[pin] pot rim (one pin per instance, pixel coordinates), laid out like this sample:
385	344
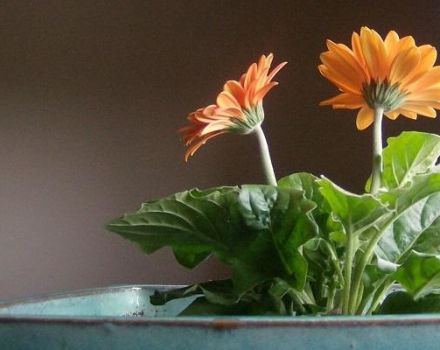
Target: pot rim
214	322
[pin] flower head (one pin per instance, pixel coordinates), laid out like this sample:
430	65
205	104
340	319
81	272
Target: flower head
238	109
392	74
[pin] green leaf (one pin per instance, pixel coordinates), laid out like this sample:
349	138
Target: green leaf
415	213
257	230
356	213
282	216
319	252
303	182
218	292
407	155
191	256
272	297
420	274
416	219
403	303
429	240
192	220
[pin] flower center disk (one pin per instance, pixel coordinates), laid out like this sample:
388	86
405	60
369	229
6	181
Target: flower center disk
383	95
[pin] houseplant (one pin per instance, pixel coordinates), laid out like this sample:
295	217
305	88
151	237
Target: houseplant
297	246
302	245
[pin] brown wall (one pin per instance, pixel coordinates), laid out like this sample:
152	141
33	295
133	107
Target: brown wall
91	96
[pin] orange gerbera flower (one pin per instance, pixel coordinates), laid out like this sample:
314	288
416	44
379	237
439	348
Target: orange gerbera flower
239	107
392	74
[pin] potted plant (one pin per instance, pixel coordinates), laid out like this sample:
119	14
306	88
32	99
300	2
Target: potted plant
302	246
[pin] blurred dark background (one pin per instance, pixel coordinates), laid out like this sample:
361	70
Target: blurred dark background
91	96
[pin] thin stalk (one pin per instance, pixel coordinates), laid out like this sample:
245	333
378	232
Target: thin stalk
360	294
360	268
331	298
347	274
364	261
334	260
309	293
377	151
265	157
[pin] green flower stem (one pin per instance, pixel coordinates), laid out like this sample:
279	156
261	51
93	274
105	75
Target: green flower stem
334	260
331	298
377	150
360	294
359	271
265	157
349	256
364	260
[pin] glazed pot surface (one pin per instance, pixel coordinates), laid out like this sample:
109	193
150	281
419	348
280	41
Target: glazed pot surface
123	318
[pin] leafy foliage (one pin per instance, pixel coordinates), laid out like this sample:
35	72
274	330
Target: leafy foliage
257	230
410	154
307	246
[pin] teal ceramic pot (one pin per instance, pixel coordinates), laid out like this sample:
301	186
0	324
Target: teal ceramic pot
123	318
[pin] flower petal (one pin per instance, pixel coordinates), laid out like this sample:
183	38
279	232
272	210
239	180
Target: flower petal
391	115
357	49
339	80
373	50
391	41
216	126
346	56
259	95
226	100
407	113
275	71
428	55
250	75
228	113
404	65
364	118
199	143
235	89
431	94
426	111
345	100
429	79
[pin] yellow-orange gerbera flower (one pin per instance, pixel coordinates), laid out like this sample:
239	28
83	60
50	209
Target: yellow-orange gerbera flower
238	108
392	74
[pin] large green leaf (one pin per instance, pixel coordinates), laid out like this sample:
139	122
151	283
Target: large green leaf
281	218
420	274
429	240
360	217
407	155
191	221
357	213
310	186
257	230
303	182
324	271
417	215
